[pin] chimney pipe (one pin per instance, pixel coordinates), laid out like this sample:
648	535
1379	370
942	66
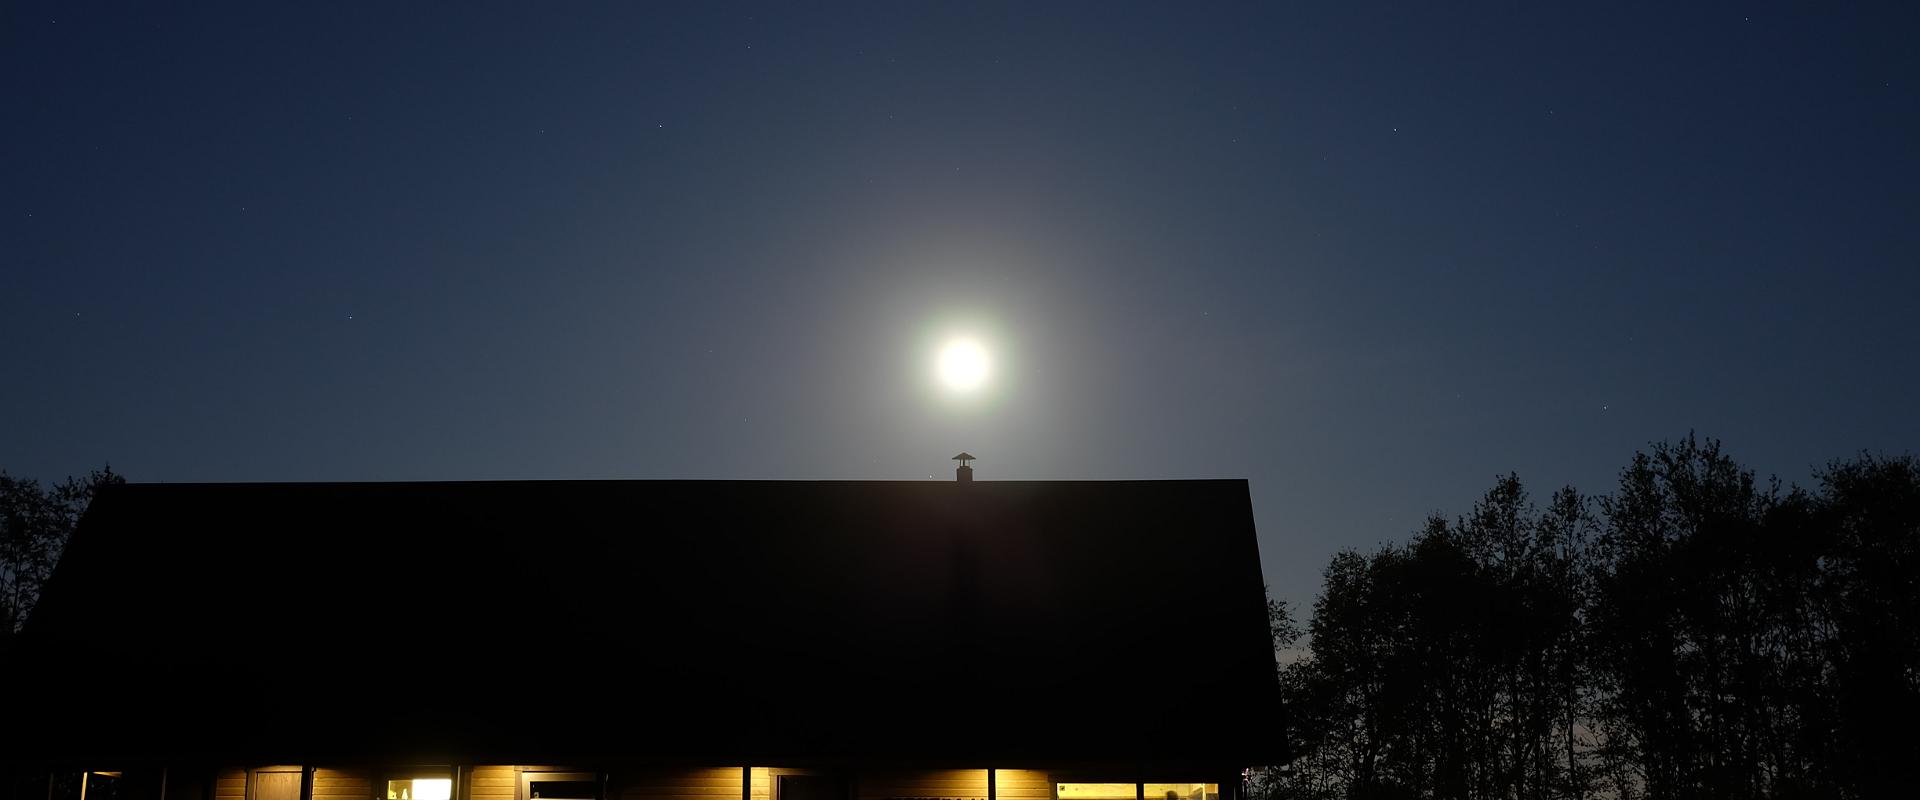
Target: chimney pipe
964	473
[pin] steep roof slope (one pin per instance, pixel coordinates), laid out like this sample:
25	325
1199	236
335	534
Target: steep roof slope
1001	623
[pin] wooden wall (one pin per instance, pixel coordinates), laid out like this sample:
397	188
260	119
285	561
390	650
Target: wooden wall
942	783
341	784
230	784
721	783
762	784
493	782
1022	784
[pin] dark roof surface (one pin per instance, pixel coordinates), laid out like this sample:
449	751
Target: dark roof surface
728	622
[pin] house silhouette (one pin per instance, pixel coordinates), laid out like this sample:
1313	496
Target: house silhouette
650	640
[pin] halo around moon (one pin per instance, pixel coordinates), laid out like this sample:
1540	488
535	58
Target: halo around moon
962	365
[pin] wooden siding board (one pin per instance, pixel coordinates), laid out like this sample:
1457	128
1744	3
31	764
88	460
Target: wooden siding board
957	783
1023	784
230	784
492	782
341	784
692	784
276	786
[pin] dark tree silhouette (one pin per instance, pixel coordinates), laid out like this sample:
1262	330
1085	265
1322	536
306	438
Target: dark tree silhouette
1702	626
1869	642
1695	634
1443	668
35	523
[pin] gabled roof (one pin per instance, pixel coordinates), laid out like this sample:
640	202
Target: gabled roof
725	622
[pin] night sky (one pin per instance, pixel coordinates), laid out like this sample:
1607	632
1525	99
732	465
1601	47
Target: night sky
1365	257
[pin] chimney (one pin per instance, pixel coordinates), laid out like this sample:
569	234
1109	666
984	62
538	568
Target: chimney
965	473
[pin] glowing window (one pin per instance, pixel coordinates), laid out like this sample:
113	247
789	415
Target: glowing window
1130	791
422	788
1096	791
1181	791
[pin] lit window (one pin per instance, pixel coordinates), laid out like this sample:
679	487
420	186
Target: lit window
1130	791
1181	791
1096	791
422	788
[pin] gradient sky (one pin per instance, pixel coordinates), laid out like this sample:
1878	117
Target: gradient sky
1365	257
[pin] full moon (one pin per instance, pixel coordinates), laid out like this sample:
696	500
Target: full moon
962	365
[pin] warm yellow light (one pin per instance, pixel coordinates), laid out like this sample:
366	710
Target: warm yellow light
1096	791
963	365
432	788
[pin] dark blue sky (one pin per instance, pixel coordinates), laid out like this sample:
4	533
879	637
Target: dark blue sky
1366	257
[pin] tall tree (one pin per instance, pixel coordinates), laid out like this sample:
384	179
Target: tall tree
1446	667
1704	635
1871	508
1697	633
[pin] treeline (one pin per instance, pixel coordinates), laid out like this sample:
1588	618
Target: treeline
1694	634
35	523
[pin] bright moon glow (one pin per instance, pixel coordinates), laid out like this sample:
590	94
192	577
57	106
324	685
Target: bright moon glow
963	365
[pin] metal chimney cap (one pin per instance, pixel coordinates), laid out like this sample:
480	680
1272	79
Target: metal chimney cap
964	457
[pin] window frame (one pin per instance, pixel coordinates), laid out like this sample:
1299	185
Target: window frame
1139	786
774	774
386	775
524	791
